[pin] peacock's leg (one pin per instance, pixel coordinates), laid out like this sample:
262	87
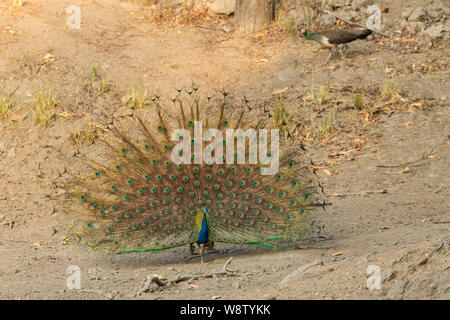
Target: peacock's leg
209	245
201	248
341	53
329	57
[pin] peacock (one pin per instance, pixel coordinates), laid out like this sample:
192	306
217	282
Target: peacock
132	192
331	38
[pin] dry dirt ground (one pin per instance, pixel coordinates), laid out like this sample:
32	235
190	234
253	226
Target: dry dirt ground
402	231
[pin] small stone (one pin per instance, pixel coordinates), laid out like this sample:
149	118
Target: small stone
123	112
390	276
300	13
406	13
12	152
224	7
434	12
358	4
335	4
394	262
397	290
327	20
436	31
423	261
418	14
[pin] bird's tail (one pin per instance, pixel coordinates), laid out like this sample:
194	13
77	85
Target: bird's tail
365	33
131	195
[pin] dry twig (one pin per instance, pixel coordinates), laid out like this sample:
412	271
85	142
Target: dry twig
406	163
162	282
360	193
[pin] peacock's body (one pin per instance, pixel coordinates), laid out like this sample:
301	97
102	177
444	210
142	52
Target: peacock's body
136	198
332	38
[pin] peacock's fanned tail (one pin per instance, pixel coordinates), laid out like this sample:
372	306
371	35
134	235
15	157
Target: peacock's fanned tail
133	197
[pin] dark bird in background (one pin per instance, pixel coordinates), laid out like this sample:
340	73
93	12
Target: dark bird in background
332	38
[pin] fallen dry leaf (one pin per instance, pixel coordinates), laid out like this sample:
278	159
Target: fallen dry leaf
406	170
335	154
337	253
48	58
317	112
367	116
192	286
433	157
407	124
260	36
18	117
327	172
280	91
37	245
418	104
64	114
108	296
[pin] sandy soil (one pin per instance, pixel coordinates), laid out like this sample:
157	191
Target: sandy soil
404	230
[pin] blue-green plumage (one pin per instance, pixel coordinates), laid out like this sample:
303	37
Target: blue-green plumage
203	233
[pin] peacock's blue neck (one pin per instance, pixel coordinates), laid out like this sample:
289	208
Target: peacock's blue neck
203	233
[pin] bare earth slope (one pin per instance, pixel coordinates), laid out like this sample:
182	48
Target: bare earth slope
403	230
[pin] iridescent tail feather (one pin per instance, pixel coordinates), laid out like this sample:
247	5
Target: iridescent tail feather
131	196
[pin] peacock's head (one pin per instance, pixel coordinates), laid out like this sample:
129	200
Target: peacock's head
302	31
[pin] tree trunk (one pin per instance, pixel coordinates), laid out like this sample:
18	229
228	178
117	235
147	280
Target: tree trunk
252	15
